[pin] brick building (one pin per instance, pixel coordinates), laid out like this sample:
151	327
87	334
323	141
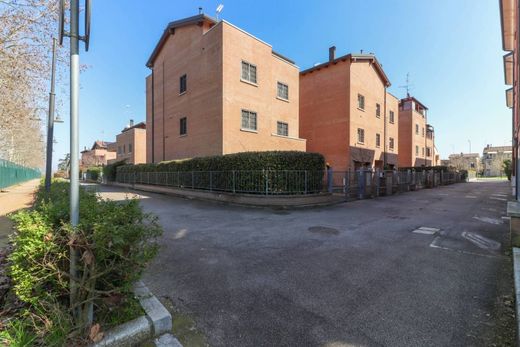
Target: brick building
416	136
216	89
99	154
493	159
131	144
347	114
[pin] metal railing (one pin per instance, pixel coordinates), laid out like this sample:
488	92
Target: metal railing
266	182
359	184
11	173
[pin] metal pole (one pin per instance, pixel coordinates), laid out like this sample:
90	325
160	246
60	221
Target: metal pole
50	120
74	112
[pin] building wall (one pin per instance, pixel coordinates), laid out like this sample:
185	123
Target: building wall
392	130
261	98
197	52
409	139
137	139
493	161
324	108
364	80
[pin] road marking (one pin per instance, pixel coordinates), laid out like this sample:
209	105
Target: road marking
426	230
481	241
506	218
499	194
470	197
436	240
488	220
499	199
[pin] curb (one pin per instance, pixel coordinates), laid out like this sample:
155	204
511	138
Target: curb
516	271
156	322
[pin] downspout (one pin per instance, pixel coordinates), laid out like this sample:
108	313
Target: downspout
153	116
163	124
384	131
515	108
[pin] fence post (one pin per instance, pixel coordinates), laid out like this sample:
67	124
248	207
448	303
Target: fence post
210	181
266	182
234	179
193	180
305	181
330	174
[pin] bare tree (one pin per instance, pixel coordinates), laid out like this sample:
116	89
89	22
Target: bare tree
26	31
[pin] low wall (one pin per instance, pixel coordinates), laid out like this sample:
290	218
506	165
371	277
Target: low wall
240	199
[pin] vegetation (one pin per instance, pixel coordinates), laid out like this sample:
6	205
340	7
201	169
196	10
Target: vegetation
507	168
114	241
93	173
273	160
110	170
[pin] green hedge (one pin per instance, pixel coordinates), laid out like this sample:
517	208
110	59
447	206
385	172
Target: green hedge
275	172
274	160
426	168
93	173
110	170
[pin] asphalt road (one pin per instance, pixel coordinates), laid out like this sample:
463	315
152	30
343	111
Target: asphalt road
351	274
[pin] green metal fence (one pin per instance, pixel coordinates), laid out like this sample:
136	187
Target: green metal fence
11	173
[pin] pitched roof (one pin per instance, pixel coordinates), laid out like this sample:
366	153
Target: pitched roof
498	149
354	58
140	125
411	98
170	28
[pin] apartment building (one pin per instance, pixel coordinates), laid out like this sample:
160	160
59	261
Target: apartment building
493	159
131	144
216	89
99	154
347	114
509	17
416	136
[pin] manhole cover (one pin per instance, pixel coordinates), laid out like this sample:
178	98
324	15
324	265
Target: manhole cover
323	230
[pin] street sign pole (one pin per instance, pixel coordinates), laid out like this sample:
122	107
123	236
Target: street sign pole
74	112
50	120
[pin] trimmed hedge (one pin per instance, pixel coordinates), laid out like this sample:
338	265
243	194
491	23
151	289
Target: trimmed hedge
246	161
427	168
110	170
273	172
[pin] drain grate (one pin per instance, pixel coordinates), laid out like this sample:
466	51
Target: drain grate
323	230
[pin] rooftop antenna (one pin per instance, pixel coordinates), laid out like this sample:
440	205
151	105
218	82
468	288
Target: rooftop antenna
220	7
200	10
408	86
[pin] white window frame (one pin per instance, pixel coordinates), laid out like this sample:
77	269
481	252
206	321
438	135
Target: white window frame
247	125
279	87
361	135
391	143
361	101
392	117
378	140
247	76
280	125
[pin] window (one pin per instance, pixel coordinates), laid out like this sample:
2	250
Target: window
423	132
283	91
391	144
423	151
248	120
378	110
183	84
183	126
282	129
129	148
428	151
417	129
248	72
361	101
124	149
119	151
392	119
361	135
378	140
416	150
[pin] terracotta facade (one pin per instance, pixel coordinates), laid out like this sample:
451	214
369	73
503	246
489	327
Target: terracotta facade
131	144
416	136
347	114
196	94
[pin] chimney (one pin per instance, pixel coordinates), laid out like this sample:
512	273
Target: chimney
332	53
131	122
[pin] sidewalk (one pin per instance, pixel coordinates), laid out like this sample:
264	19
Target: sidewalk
11	199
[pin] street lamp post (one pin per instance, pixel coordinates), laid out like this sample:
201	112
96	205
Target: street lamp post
50	120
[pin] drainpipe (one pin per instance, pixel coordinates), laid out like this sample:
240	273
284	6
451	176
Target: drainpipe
384	131
153	116
163	125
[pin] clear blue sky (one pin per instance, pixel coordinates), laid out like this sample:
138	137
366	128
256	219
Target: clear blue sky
451	48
